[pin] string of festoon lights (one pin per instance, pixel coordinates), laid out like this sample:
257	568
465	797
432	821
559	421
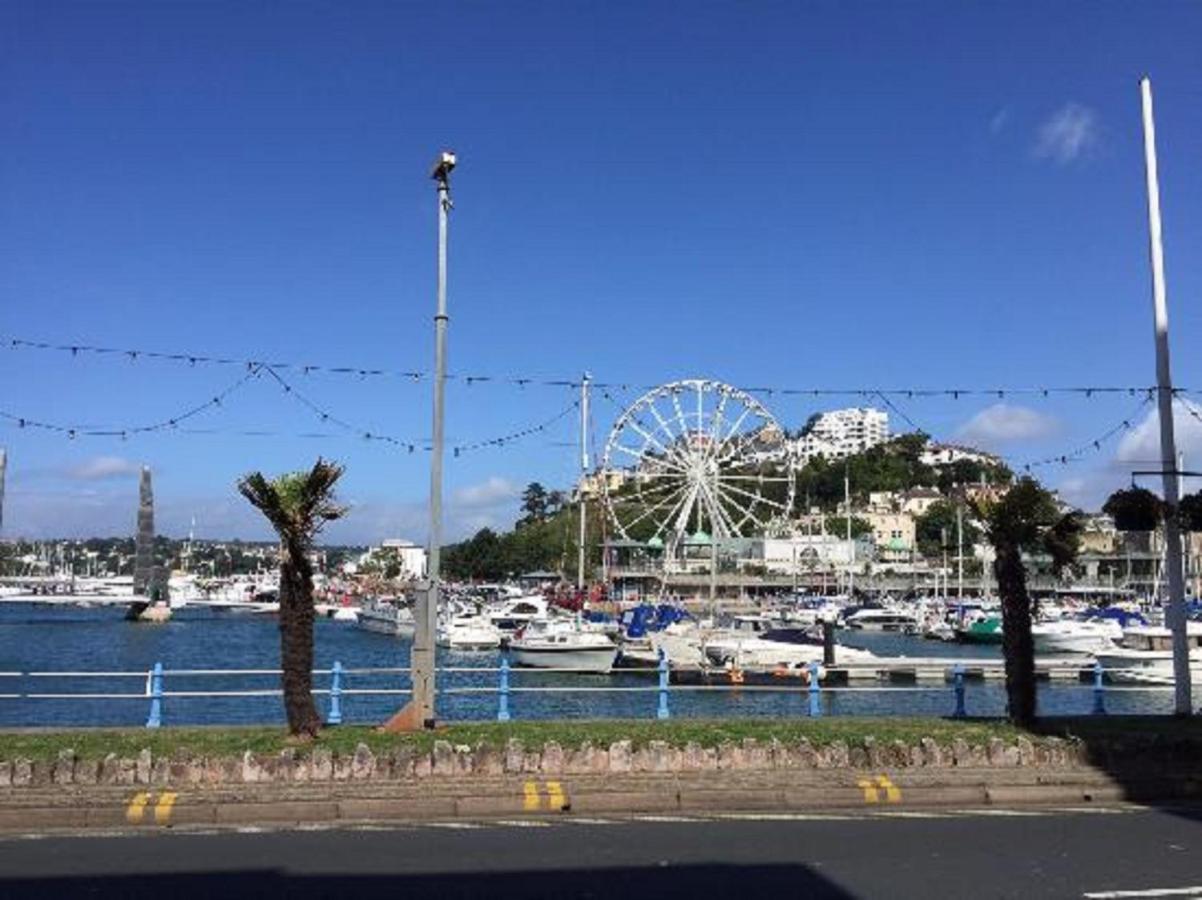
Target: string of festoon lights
275	369
192	359
255	371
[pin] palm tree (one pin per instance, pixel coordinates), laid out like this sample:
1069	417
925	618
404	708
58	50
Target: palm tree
297	505
1026	520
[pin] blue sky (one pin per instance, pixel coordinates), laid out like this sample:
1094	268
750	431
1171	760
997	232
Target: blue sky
773	194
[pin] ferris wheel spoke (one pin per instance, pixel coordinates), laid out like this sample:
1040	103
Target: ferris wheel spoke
673	437
718	516
666	501
684	509
642	454
758	498
648	437
684	427
660	488
716	420
747	410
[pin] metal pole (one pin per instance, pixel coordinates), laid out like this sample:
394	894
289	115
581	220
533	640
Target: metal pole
580	552
419	712
960	549
851	548
1168	444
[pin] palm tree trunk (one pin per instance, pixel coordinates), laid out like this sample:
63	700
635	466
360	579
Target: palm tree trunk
296	640
1018	647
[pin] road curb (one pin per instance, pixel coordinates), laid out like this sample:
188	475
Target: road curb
495	798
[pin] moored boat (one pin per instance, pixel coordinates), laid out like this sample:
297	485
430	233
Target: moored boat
386	615
563	644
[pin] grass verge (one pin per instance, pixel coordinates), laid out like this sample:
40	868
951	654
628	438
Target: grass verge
1135	732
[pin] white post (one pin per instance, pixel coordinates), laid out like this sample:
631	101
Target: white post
580	551
1168	444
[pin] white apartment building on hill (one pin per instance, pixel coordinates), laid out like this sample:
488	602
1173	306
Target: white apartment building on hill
843	432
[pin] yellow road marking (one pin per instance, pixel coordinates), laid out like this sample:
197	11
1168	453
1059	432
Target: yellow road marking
136	808
892	791
530	798
162	809
555	797
869	789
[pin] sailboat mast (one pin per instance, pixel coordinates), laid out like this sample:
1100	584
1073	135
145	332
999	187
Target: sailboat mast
580	549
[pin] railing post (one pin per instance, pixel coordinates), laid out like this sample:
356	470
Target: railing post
815	691
503	692
1099	690
155	719
335	715
958	680
662	711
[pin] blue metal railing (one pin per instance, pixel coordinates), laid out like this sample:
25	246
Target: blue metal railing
498	681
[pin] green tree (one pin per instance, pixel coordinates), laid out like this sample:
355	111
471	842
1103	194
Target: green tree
297	505
1026	520
534	503
1134	509
935	530
1190	512
837	526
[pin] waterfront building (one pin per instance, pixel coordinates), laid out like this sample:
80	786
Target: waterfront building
840	433
893	533
937	454
916	501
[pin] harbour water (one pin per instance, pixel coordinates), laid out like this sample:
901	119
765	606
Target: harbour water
67	639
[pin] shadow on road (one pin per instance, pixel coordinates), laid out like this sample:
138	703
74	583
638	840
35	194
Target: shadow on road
1156	760
690	881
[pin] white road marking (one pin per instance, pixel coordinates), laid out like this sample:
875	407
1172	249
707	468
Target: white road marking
1195	891
584	820
522	823
783	817
667	819
456	826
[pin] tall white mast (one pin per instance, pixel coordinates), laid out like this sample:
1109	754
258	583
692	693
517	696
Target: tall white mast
1164	391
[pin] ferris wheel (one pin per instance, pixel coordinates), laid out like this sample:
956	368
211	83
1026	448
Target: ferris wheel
697	456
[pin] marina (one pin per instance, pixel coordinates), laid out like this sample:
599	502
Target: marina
62	653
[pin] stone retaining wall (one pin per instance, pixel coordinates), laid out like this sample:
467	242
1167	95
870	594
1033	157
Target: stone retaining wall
458	761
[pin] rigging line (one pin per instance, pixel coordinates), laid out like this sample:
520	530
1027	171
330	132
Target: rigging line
74	431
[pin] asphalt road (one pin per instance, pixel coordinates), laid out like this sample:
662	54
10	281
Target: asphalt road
1020	853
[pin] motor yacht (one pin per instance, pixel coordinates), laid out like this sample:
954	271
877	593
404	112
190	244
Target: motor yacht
563	644
465	631
882	620
1145	655
1076	636
386	615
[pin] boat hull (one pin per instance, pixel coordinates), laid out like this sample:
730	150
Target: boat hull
585	659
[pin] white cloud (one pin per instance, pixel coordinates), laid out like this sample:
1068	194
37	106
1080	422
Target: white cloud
102	468
1067	134
1141	445
1004	423
491	492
